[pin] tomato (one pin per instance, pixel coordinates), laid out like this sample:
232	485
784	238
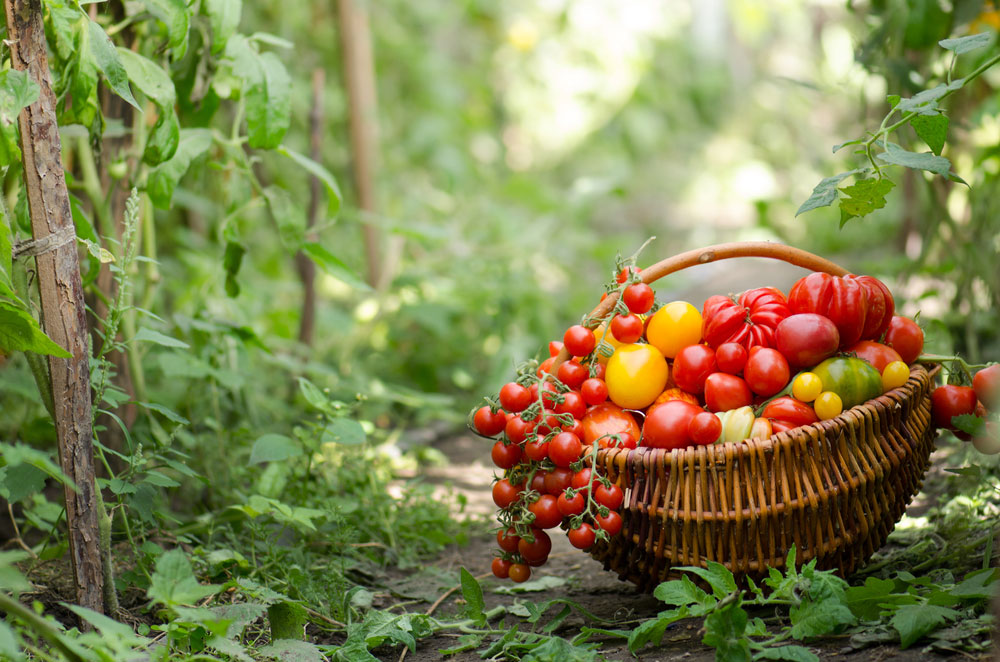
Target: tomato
583	536
579	340
692	367
504	494
626	328
761	429
724	392
949	401
554	347
844	301
538	549
519	572
636	375
604	333
673	327
749	321
557	480
501	568
565	449
731	357
594	391
506	456
545	366
548	391
537	449
988	443
638	298
607	419
705	428
508	539
489	423
570	507
626	273
806	339
790	411
828	405
611	524
546	512
625	440
666	425
876	353
572	404
904	336
611	497
581	480
538	481
986	383
736	424
766	372
676	394
514	397
806	386
576	428
854	380
881	306
895	375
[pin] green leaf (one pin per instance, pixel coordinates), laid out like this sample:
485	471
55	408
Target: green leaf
813	619
21	481
925	101
344	431
288	216
19	332
110	628
321	173
231	262
473	594
867	602
724	630
25	455
148	335
17	90
333	265
288	620
173	582
163	178
918	161
965	44
826	193
789	653
682	592
717	575
292	650
106	57
313	395
176	16
914	621
269	103
274	447
969	423
166	412
932	129
557	649
977	585
160	480
224	16
149	77
865	196
11	578
10	644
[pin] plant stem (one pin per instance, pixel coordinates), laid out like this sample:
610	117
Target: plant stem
39	625
104	530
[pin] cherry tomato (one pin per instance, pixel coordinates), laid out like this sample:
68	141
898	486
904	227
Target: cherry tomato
546	512
789	410
766	372
611	524
581	481
508	539
705	428
537	449
949	401
876	353
583	536
519	572
545	366
905	337
611	497
806	339
895	375
692	366
565	449
576	428
666	424
986	383
625	440
570	507
554	347
626	328
558	480
579	340
538	481
749	321
504	493
488	423
639	298
731	357
537	550
501	568
843	301
604	333
594	391
828	405
607	419
506	456
514	397
636	375
548	393
806	386
724	392
572	374
517	428
673	327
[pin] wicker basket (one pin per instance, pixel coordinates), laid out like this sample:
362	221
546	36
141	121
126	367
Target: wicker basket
834	489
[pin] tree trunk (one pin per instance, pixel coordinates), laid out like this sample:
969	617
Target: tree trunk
61	292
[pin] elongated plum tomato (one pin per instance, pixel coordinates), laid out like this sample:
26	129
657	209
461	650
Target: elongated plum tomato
789	410
607	419
666	424
905	337
876	353
636	375
806	339
692	367
673	327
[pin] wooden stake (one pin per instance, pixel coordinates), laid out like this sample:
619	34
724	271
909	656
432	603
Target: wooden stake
61	293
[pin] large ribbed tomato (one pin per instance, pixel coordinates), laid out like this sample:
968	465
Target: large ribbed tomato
843	300
881	306
749	320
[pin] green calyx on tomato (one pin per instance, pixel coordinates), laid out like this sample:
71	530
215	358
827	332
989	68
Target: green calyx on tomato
854	380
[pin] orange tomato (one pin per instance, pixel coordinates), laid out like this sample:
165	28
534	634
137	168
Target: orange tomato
674	327
676	394
605	419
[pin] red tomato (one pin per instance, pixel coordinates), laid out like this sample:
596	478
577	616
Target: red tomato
537	550
537	449
548	391
545	366
905	337
501	568
557	480
639	298
626	328
625	440
950	400
506	456
594	391
625	273
581	480
572	374
766	372
488	423
570	507
692	366
576	428
611	497
724	392
787	410
507	539
611	524
579	340
546	513
583	536
844	301
514	397
987	386
504	493
881	306
572	404
554	347
519	572
607	419
705	428
538	481
876	353
666	424
806	339
749	321
676	394
565	449
731	357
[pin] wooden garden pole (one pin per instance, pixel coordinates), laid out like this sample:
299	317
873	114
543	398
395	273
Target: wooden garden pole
63	312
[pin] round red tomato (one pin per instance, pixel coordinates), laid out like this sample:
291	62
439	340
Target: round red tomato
987	386
581	480
488	423
844	301
611	524
572	374
766	372
610	497
504	494
517	428
546	512
583	536
501	568
572	404
806	339
579	340
594	391
731	357
749	320
692	366
557	480
626	328
537	550
506	456
881	306
876	353
537	449
905	337
519	572
607	419
638	298
570	507
705	428
724	392
514	397
508	539
666	424
565	449
949	401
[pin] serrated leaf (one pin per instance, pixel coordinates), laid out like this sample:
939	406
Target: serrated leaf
918	161
273	448
333	265
813	619
173	582
789	653
224	17
17	90
149	335
965	44
20	332
108	61
177	17
651	631
473	594
867	602
893	100
321	173
269	103
724	630
344	431
826	192
977	585
932	129
969	423
682	592
20	481
717	575
149	77
100	253
925	101
160	480
163	178
107	626
865	196
914	621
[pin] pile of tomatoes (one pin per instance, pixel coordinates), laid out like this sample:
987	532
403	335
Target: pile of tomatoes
671	376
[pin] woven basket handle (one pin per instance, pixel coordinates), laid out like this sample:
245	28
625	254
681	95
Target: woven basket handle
789	254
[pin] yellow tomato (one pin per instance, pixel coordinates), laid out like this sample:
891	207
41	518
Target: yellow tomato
828	405
602	332
895	375
636	375
674	327
806	387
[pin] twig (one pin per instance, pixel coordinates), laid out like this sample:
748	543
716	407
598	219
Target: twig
17	532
